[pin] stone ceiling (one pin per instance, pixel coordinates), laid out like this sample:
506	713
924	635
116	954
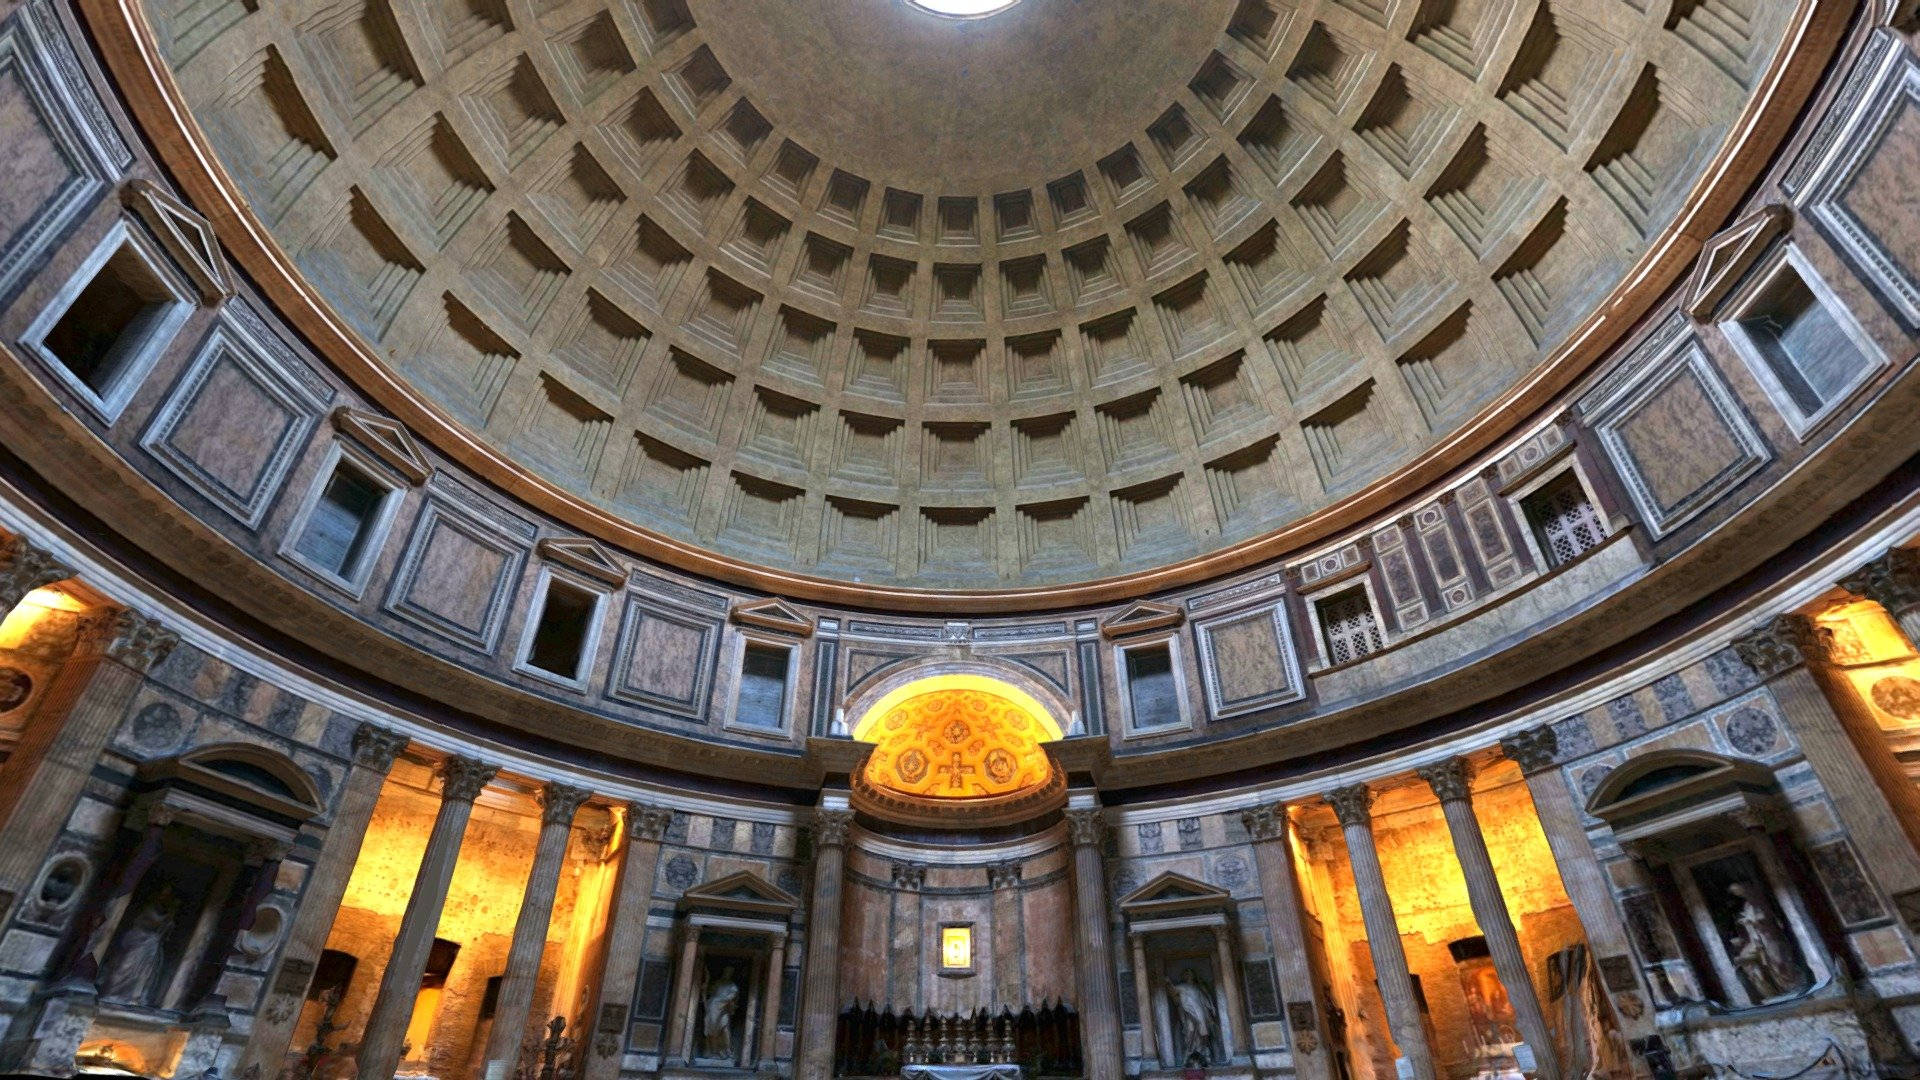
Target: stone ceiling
1079	289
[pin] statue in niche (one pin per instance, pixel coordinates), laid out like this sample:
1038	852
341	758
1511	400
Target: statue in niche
132	971
1761	948
1193	1015
721	999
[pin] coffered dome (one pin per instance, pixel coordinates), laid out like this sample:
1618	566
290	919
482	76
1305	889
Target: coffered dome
853	291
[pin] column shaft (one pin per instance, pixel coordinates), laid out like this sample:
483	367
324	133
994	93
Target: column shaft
558	805
685	996
1241	1041
48	768
1099	1005
770	1007
386	1028
820	1014
1449	782
1580	874
1293	970
373	753
1353	806
620	968
1143	993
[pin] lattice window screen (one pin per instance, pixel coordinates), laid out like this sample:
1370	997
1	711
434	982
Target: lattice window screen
1348	624
1563	519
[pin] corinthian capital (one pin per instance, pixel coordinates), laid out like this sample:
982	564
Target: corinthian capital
375	747
646	822
1268	821
1778	647
1086	827
140	641
1533	749
830	827
1448	779
1353	804
24	568
559	802
461	778
1892	580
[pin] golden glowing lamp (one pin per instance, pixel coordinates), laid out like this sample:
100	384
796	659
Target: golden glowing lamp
956	947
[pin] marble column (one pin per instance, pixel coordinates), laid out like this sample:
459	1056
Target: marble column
1009	928
1241	1041
1449	782
820	1013
1846	750
461	780
1354	807
558	804
620	968
78	713
1099	1005
1535	751
374	749
1143	993
770	1006
686	993
1270	827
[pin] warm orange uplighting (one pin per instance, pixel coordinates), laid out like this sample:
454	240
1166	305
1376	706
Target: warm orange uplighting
21	624
958	737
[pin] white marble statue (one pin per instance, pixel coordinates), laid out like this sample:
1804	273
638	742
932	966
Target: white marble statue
1762	950
1193	1012
722	997
133	966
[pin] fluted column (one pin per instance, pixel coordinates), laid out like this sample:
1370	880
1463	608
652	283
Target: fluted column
1846	750
1099	1003
1448	779
558	804
1354	807
1535	751
820	1016
79	712
1272	856
620	969
374	749
386	1031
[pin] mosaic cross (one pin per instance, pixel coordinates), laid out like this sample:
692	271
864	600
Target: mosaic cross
956	770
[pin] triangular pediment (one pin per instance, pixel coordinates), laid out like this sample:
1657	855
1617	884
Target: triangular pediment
1140	618
1726	258
1174	886
737	891
586	557
187	236
772	615
387	439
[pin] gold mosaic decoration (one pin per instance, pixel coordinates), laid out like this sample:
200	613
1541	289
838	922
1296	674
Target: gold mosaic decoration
957	743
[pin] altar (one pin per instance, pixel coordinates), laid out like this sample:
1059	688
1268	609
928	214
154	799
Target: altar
961	1072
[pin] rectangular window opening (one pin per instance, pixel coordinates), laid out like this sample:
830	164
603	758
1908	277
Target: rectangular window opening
1152	690
560	634
1563	519
342	520
1348	625
1807	350
108	325
763	686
